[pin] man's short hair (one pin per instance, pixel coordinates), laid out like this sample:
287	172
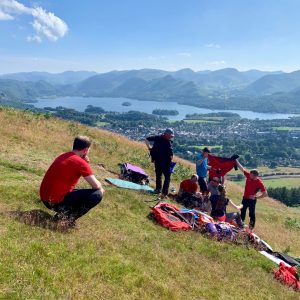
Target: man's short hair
254	172
81	142
206	149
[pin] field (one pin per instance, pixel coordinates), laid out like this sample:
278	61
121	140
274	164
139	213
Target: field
101	124
191	121
277	182
117	252
287	128
267	170
213	146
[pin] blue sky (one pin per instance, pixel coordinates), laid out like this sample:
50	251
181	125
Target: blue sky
100	35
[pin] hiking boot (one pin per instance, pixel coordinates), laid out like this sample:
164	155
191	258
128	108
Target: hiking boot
156	191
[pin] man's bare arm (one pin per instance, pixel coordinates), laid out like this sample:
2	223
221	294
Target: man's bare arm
94	183
262	195
238	207
241	168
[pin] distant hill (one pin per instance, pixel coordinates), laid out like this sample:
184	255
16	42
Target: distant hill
228	78
68	77
165	88
14	89
223	89
161	89
275	83
256	74
224	78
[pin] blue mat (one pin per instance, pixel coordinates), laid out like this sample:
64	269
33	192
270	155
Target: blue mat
129	185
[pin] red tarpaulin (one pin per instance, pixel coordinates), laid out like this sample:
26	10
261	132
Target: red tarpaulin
220	165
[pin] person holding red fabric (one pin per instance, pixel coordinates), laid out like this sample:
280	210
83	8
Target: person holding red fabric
253	185
201	169
57	190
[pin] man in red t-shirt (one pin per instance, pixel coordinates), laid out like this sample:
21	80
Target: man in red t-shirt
253	185
188	194
57	188
189	185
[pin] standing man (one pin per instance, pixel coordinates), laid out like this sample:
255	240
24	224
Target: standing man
201	169
162	155
57	188
253	185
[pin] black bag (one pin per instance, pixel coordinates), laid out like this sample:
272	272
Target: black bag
288	259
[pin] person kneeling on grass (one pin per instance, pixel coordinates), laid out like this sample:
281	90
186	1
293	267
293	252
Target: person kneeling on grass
218	208
188	195
188	190
57	188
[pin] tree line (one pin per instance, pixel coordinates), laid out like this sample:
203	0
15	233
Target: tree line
290	197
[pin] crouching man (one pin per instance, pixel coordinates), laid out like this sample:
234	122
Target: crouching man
57	190
189	196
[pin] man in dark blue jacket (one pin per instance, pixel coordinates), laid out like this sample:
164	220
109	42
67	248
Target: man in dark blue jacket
162	155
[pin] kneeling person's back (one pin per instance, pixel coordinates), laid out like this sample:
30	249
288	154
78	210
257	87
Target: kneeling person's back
57	189
62	176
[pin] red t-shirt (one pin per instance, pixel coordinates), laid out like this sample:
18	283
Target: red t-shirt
62	176
189	186
252	186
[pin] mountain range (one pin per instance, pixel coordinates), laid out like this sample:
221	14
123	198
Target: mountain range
225	88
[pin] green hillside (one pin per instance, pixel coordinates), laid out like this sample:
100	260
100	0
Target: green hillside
117	252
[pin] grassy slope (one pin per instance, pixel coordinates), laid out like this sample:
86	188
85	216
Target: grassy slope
117	252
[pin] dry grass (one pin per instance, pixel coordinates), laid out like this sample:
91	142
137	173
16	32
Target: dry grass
117	252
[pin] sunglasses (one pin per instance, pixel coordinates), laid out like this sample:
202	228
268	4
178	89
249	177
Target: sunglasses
215	180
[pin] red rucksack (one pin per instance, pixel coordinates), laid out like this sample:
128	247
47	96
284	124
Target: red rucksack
169	216
288	275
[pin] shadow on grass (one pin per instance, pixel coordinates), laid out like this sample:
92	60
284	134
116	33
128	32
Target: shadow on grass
38	218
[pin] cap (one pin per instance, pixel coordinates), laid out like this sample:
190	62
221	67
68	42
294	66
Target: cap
169	131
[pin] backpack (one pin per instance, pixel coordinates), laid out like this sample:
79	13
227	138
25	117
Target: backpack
169	216
287	275
133	173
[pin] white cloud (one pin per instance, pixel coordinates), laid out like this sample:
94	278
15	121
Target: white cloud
212	45
34	38
153	58
5	17
45	24
48	25
185	54
217	63
14	7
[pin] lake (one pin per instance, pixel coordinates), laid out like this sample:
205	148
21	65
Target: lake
115	104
